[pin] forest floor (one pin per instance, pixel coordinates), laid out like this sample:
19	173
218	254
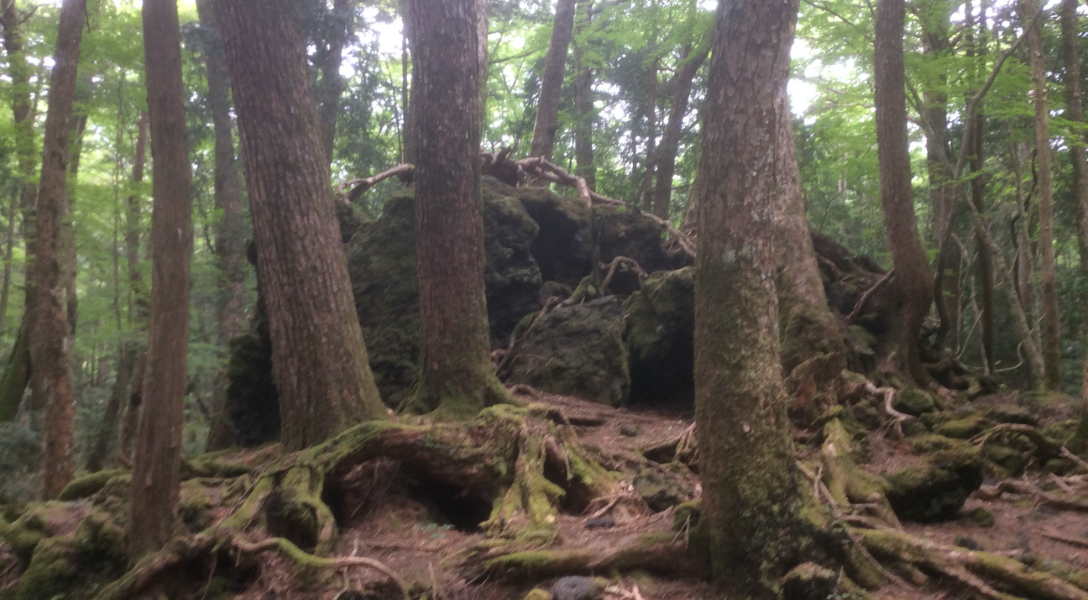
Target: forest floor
419	530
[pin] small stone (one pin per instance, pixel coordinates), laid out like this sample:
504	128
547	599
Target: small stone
982	517
630	430
578	588
605	522
970	543
538	594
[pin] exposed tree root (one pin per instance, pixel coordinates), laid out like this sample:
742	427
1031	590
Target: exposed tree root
356	187
1045	448
848	484
972	569
869	293
621	261
1067	501
303	558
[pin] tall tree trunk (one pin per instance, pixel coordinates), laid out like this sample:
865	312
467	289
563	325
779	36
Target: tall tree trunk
127	349
751	507
670	139
408	83
230	231
984	262
77	125
551	83
1052	352
138	305
341	24
153	496
481	58
9	252
913	281
17	375
646	187
456	376
50	345
319	360
583	101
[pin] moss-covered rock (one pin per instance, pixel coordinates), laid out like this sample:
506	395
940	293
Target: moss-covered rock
982	517
661	488
914	401
577	350
88	485
964	427
659	337
1009	460
809	581
935	489
1011	413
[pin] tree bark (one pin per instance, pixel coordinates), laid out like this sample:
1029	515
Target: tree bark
985	269
583	102
230	232
674	128
456	375
9	253
320	363
153	496
551	83
1051	337
341	24
50	344
913	281
646	187
751	506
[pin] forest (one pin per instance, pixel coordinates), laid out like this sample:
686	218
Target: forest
543	299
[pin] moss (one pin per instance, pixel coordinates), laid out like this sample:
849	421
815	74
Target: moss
53	571
937	489
538	594
1009	460
914	401
982	517
194	506
963	428
687	514
88	485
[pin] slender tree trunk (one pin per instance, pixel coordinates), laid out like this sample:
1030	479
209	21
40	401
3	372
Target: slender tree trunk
157	454
647	185
77	125
230	231
751	507
408	83
127	350
332	84
1051	346
583	102
17	375
320	363
913	281
456	377
985	269
138	305
50	346
551	83
9	252
670	139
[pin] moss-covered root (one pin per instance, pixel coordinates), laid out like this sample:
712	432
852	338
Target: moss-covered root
846	482
979	571
153	567
663	554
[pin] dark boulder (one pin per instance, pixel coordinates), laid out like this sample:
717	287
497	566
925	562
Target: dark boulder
936	488
578	351
659	337
253	407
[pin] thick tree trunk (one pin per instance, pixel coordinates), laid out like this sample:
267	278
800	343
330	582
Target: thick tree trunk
674	128
583	102
230	231
913	281
331	84
153	497
457	376
1051	337
551	83
751	495
984	262
50	344
1074	107
320	363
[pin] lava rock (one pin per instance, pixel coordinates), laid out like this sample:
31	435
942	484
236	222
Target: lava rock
660	339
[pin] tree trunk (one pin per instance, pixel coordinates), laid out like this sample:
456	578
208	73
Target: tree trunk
551	83
583	103
17	375
985	272
646	187
751	495
341	24
1051	337
456	375
9	252
138	304
670	139
913	281
408	83
320	363
157	454
77	125
50	344
230	232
